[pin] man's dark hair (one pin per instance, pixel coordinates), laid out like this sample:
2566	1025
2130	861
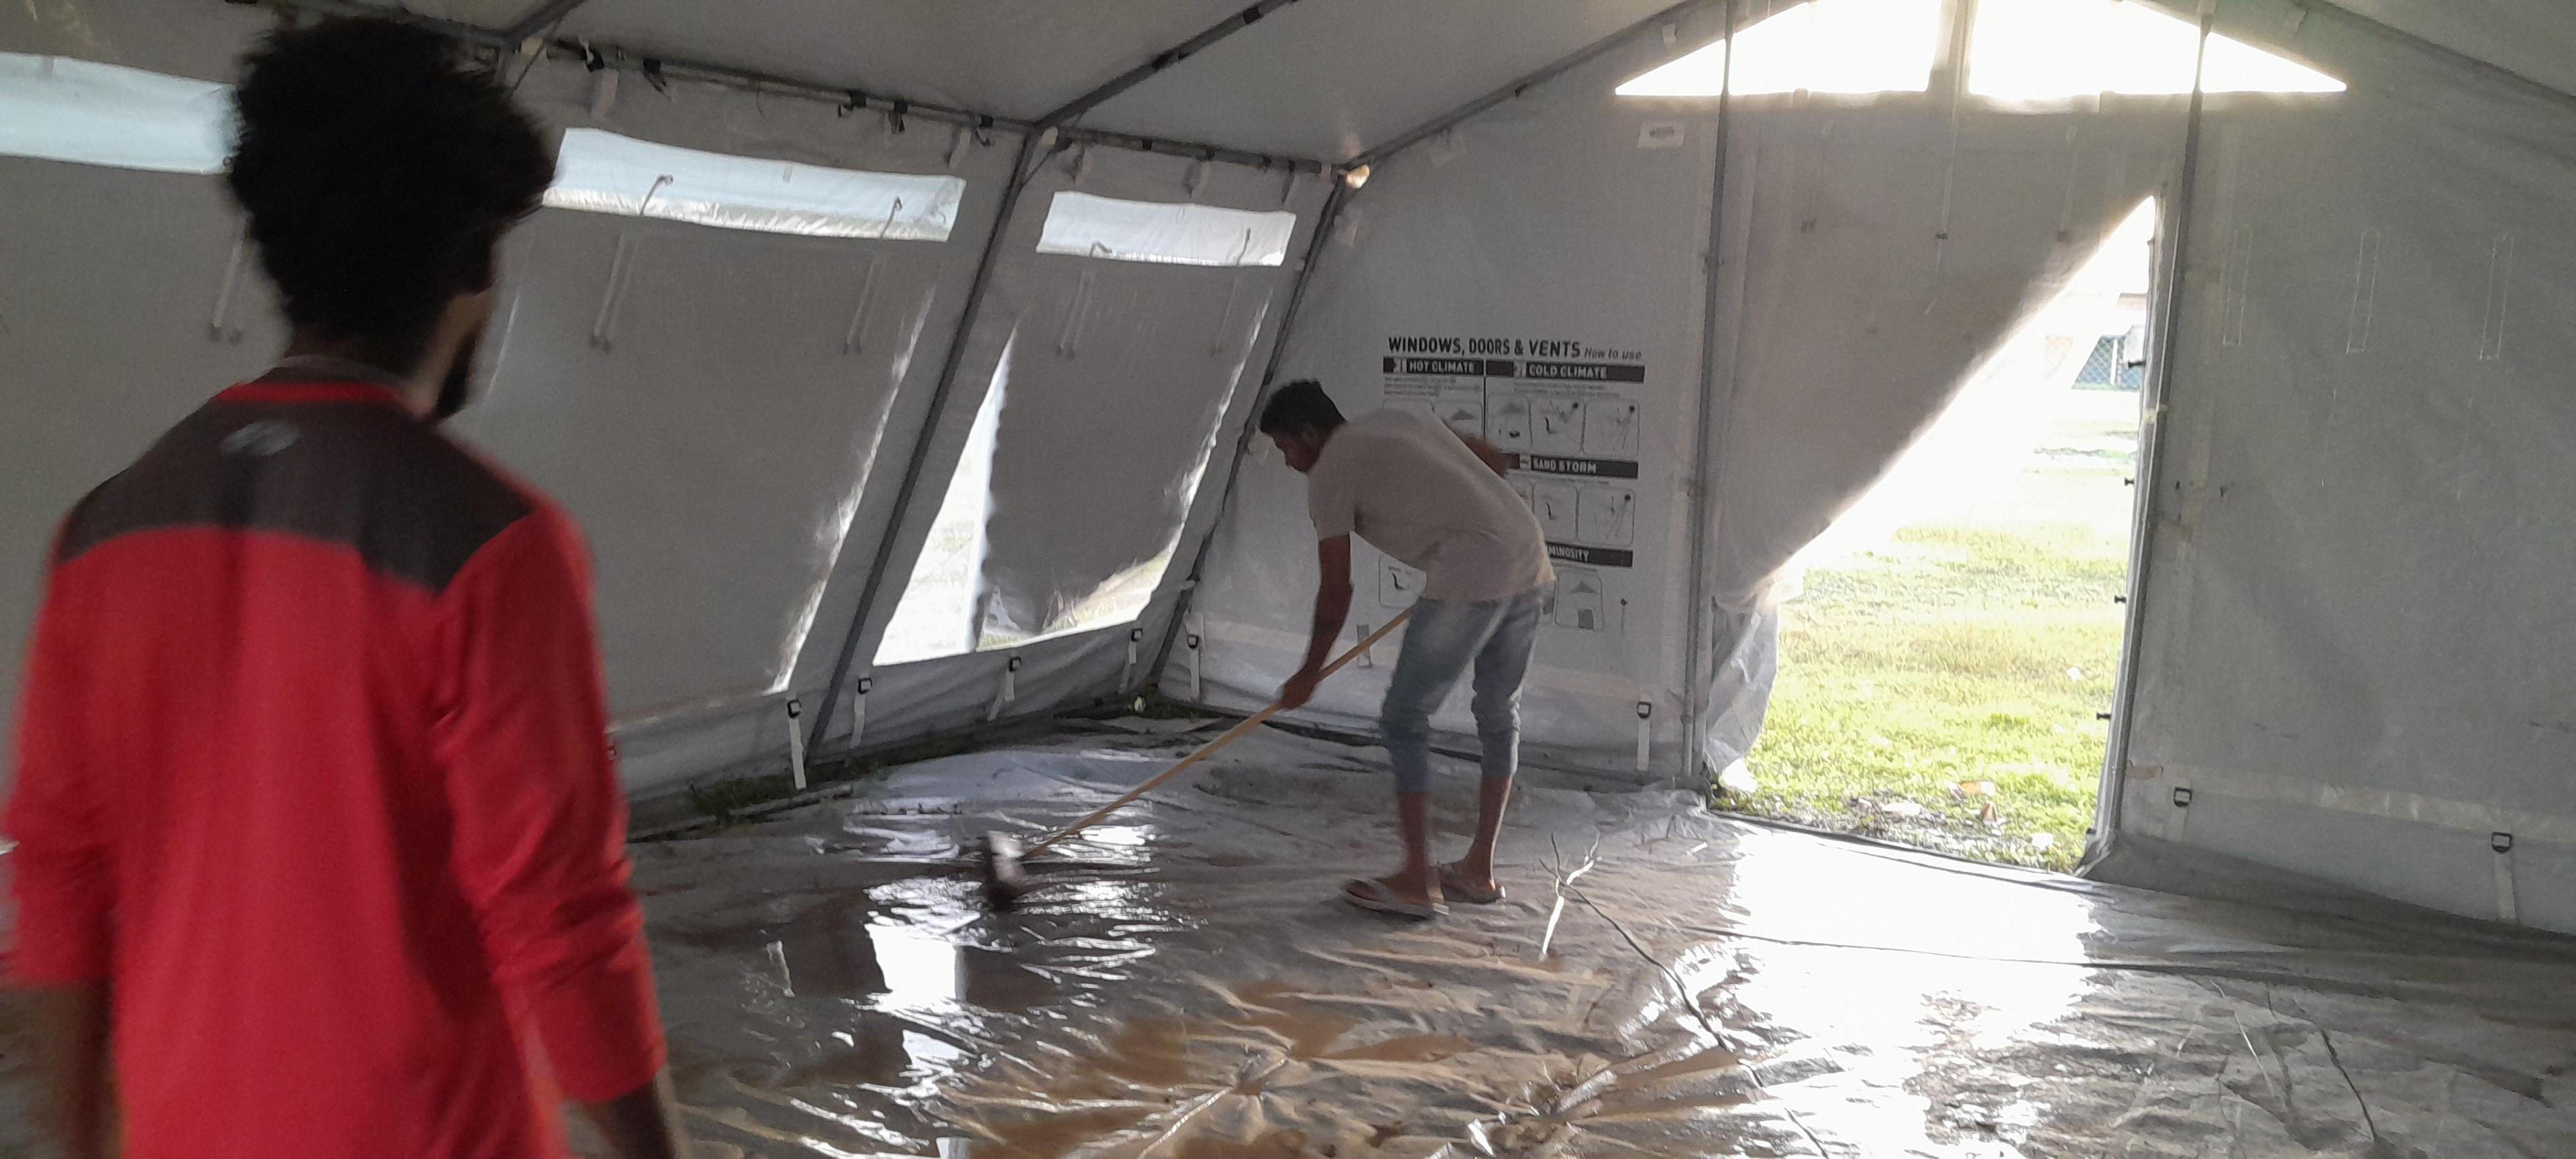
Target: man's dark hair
379	169
1300	408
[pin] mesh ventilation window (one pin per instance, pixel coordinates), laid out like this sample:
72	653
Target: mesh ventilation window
58	109
602	172
1086	225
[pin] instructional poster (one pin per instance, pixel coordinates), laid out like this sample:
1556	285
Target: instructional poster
1572	411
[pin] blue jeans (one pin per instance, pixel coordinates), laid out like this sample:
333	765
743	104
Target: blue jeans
1441	640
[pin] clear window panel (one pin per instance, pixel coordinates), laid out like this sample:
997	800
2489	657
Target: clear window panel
602	172
59	109
1176	233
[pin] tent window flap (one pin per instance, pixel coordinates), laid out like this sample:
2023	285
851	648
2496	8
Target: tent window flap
602	172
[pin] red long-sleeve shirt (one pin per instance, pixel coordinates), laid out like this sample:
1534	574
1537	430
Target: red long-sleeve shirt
314	773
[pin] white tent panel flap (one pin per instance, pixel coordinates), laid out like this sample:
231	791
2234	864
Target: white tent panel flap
1165	348
2365	520
1089	400
714	402
658	377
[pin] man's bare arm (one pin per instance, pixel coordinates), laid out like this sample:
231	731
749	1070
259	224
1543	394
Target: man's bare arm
70	1024
1500	462
1332	608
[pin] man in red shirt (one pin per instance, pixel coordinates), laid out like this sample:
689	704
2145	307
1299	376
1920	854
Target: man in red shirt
315	812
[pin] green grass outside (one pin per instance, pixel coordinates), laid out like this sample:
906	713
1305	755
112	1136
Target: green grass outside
1972	648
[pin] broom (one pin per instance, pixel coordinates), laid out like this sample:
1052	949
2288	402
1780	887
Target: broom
1005	878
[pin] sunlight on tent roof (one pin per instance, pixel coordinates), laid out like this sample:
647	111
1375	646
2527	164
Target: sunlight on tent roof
2039	49
1825	46
2018	50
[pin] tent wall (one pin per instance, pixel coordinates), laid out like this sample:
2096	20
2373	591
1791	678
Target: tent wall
1098	455
1874	253
714	404
2358	511
2366	518
1516	239
110	281
726	412
107	336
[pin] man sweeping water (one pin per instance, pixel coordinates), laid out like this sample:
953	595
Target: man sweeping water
1436	500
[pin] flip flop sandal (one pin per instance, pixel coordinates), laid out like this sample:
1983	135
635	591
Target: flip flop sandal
1453	885
1369	893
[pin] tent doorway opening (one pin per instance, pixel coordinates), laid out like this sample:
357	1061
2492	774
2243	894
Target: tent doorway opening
1949	647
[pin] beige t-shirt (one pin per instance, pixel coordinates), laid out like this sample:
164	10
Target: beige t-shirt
1406	483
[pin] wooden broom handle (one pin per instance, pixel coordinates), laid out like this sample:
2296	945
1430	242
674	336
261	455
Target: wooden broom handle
1231	735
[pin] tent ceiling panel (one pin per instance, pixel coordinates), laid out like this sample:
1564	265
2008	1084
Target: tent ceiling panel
2536	38
1330	78
187	38
483	13
1015	58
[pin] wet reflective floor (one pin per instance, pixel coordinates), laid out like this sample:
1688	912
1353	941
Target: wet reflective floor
1660	982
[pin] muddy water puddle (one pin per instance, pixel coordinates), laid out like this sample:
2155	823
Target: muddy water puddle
1139	1068
854	948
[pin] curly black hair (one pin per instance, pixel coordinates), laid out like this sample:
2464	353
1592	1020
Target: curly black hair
379	170
1300	408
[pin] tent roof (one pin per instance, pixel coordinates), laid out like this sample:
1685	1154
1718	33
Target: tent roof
1320	79
1012	58
1331	78
2534	38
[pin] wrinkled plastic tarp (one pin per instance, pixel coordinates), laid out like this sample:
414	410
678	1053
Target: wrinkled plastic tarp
1185	983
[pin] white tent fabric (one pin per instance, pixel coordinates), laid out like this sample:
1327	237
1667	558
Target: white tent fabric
100	361
2348	662
2341	663
1014	58
1332	79
1456	262
2525	37
1117	377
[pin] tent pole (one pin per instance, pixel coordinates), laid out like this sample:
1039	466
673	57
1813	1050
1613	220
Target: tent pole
2152	410
1159	62
1251	425
1022	171
672	68
1695	674
1448	120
